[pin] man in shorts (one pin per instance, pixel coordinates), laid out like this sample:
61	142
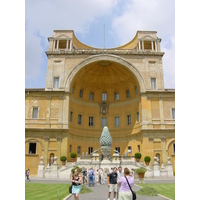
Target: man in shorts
112	183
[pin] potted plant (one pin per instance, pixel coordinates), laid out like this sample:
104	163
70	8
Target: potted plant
73	156
141	171
138	156
147	160
63	159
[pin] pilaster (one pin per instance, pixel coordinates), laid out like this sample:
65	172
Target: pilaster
163	147
58	147
47	123
66	109
46	146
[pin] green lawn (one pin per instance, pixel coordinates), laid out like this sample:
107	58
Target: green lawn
165	189
48	191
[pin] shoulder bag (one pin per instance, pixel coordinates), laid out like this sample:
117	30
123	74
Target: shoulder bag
133	192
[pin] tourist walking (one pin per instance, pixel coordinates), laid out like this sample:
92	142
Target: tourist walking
91	176
102	177
27	174
112	183
84	175
124	190
76	180
120	174
97	177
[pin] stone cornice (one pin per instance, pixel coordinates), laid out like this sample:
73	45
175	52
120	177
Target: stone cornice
104	51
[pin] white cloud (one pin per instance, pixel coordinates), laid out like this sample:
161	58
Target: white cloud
153	15
43	17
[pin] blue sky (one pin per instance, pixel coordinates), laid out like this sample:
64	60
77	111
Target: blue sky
122	19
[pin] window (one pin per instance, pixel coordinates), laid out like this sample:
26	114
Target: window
79	119
117	149
71	116
78	149
81	93
128	119
35	113
104	121
138	148
91	121
91	95
137	117
129	149
70	148
73	89
32	148
173	113
136	90
127	94
56	82
117	121
90	150
153	83
116	96
104	96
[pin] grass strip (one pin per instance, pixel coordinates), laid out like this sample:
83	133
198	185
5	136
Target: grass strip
165	189
49	191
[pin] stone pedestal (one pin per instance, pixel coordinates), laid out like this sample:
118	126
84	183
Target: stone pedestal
149	173
116	159
54	169
47	171
41	173
163	171
156	168
169	168
95	157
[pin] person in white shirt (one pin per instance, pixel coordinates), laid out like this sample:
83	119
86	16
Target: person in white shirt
120	174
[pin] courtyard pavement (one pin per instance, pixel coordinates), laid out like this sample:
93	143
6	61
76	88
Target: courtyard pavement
100	192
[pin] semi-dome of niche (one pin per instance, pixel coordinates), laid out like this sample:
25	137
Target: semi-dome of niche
104	77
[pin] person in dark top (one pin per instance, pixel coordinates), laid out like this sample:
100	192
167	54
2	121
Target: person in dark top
112	183
84	175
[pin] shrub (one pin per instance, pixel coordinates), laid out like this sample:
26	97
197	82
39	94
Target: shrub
63	158
141	170
73	154
147	159
138	155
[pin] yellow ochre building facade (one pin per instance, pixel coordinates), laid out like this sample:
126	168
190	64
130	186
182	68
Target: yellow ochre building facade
88	88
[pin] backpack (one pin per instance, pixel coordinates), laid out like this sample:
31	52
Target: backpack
90	173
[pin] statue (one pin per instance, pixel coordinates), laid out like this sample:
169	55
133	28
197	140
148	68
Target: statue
105	142
117	152
94	151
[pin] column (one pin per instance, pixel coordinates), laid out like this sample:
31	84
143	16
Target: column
142	45
139	46
70	45
47	123
58	147
152	46
60	114
163	147
46	146
54	45
57	45
156	46
67	44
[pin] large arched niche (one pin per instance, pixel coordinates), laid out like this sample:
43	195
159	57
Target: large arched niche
106	58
